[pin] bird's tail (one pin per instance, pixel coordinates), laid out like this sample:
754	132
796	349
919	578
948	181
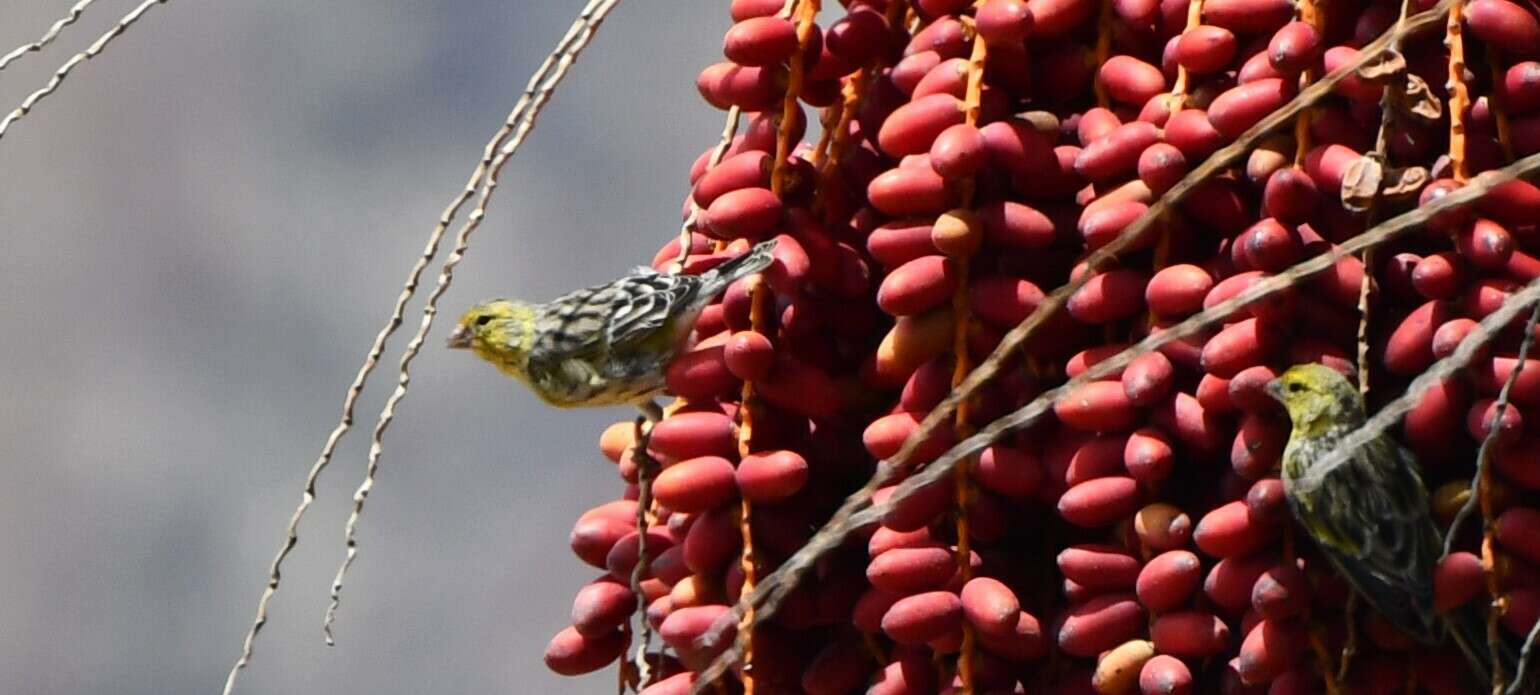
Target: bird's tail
1468	627
757	259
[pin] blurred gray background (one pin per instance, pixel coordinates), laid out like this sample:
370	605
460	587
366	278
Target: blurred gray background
203	230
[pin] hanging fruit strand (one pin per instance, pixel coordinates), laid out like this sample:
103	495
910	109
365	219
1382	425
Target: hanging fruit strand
802	12
1485	484
639	672
962	318
1459	92
1104	28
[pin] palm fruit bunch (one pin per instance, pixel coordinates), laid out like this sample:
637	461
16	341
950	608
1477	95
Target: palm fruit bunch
970	158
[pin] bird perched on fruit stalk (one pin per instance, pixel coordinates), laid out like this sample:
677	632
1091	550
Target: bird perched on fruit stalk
1369	514
605	345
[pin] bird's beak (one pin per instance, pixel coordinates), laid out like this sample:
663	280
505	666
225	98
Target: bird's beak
1274	388
460	338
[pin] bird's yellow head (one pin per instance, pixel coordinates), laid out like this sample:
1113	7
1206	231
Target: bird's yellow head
499	331
1317	398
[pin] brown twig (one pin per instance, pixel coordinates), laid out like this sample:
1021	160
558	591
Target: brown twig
729	129
568	49
371	360
646	468
64	70
48	36
1482	485
1365	289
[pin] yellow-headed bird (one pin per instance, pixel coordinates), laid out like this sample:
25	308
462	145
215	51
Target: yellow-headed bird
605	345
1369	513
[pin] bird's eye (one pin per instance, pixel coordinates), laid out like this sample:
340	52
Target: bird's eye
483	319
1296	387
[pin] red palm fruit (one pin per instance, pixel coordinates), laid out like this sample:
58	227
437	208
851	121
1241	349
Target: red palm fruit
1242	106
905	571
1011	472
1258	445
1295	47
1130	80
686	435
760	41
712	540
1116	154
910	671
601	607
697	484
1190	634
593	538
1098	406
1205	49
918	285
918	509
1051	18
1165	675
1232	531
1230	582
772	476
1098	566
1148	379
1168	580
685	629
1482	419
914	126
1506	25
1178	291
623	556
1100	502
1148	455
1270	649
1518	530
1025	642
1004	21
1099	624
1266	502
1214	394
1458	578
920	618
1161	166
570	653
1243	344
1281	592
1202	432
1517	464
990	606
